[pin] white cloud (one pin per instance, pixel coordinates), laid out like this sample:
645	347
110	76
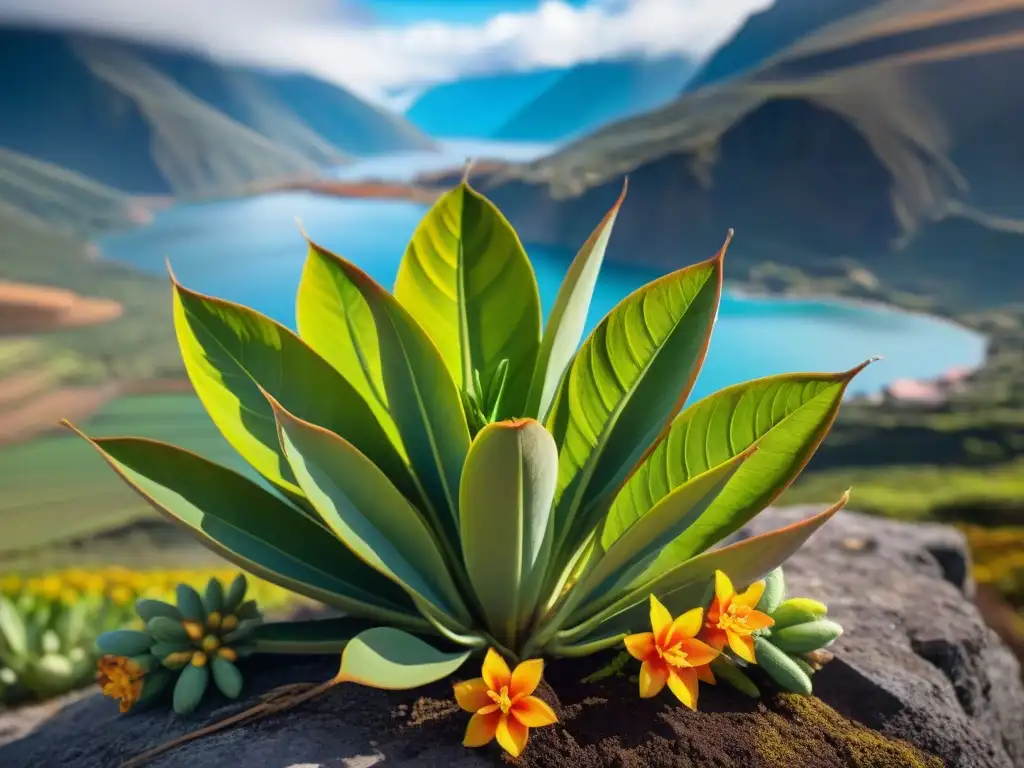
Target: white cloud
333	41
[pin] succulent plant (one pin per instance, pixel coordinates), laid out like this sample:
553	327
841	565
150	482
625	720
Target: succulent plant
442	467
46	643
187	644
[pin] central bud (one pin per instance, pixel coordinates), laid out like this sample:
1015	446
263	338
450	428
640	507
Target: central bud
735	618
501	699
673	655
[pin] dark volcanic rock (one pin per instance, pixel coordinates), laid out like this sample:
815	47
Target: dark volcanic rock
918	680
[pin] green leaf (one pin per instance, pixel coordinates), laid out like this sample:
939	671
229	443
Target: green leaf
735	677
786	416
164	628
319	636
625	553
804	638
189	689
568	317
124	642
334	319
226	677
252	528
468	282
390	659
630	377
781	668
424	401
685	586
12	628
798	610
363	509
774	592
508	485
231	351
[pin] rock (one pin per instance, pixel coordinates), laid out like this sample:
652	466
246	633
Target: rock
917	680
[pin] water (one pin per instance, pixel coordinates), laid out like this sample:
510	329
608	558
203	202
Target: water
250	251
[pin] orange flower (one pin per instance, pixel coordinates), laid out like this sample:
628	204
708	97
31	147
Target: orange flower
671	654
732	618
503	704
120	678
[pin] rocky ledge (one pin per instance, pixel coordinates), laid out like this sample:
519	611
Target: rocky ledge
917	680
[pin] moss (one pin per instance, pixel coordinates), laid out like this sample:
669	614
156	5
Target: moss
808	720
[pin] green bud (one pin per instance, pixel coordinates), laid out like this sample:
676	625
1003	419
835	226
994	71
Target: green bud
164	628
235	594
150	609
735	677
797	610
124	642
245	628
226	676
774	592
781	667
213	599
803	638
190	604
166	648
189	689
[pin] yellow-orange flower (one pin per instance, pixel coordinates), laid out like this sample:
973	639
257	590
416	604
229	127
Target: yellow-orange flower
120	678
672	655
732	618
503	704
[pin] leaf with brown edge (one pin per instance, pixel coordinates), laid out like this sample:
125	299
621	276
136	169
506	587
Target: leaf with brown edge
786	416
231	352
568	317
683	586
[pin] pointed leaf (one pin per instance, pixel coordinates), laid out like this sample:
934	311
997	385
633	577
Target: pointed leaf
685	586
508	485
334	319
12	628
230	351
629	378
786	416
394	660
254	529
627	552
564	328
363	509
424	401
468	282
319	636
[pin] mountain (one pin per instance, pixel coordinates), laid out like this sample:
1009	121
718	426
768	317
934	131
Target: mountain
770	31
549	104
890	138
145	120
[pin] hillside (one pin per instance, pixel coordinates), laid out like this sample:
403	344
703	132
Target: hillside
888	141
549	104
148	121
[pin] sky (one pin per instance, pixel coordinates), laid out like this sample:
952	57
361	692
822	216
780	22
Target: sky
381	47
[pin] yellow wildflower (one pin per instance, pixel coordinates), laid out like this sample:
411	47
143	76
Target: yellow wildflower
732	618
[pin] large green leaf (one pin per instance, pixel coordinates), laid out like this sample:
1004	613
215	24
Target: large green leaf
231	351
252	528
625	552
358	502
394	660
682	587
508	485
568	317
334	319
630	377
467	280
319	636
786	416
423	399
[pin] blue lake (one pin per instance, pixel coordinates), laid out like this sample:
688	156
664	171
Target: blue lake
250	251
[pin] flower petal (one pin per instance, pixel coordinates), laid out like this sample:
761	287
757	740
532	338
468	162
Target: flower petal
758	620
526	678
640	646
705	675
533	713
661	620
481	729
685	625
652	679
714	613
683	683
512	735
751	595
495	671
742	646
723	589
697	653
714	637
472	695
